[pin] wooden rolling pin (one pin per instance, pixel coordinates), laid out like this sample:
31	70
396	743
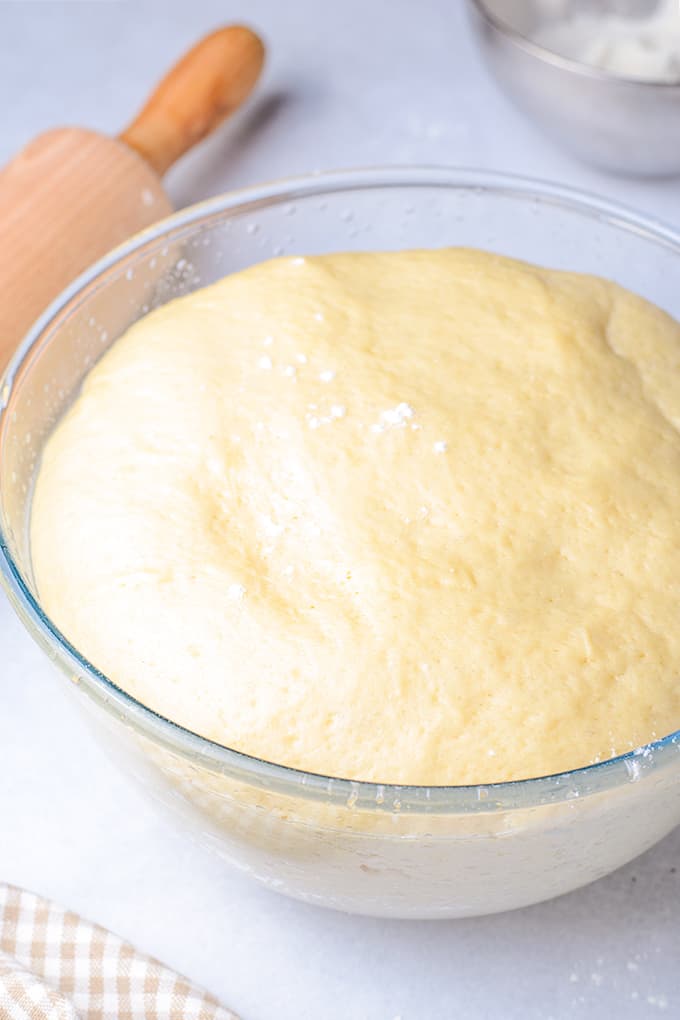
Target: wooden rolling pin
71	195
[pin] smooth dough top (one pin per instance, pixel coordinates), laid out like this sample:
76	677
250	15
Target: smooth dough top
409	517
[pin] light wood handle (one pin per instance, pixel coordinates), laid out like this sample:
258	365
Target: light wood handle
207	85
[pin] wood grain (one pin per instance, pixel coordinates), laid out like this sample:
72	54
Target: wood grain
71	195
205	87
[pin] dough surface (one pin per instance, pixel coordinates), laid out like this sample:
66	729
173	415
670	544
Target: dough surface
409	517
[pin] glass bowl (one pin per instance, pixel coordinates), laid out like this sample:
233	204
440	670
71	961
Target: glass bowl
375	849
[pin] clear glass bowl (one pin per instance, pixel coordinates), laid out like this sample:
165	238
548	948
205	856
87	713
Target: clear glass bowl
383	850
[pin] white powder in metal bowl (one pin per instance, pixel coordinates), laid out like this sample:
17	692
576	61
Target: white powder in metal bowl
642	46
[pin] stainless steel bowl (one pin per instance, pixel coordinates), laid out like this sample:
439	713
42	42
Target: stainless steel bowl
619	124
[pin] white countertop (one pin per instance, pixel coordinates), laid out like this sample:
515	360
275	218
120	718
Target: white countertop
353	82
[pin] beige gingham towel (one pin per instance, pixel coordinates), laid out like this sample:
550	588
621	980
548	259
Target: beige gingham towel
56	966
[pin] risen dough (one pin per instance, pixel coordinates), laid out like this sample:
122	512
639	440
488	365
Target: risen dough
407	517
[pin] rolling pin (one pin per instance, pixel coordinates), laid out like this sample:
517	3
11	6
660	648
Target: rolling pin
72	194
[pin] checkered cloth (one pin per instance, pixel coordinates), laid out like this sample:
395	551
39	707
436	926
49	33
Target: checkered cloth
56	966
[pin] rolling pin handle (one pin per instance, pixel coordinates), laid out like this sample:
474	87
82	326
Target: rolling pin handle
206	86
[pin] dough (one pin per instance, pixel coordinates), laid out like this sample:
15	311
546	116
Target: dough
409	517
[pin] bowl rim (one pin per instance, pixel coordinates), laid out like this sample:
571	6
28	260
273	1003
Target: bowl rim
570	64
518	794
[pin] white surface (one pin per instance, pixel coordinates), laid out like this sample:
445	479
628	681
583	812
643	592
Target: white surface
353	82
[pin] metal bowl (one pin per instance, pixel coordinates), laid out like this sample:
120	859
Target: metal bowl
628	126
